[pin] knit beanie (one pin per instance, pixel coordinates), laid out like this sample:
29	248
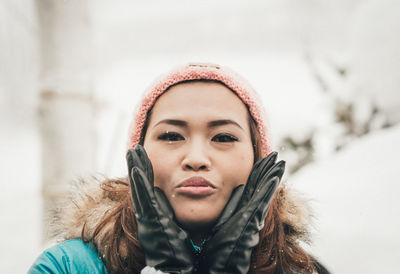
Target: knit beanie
201	71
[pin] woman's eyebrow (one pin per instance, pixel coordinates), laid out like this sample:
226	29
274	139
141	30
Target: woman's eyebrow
217	123
210	124
172	122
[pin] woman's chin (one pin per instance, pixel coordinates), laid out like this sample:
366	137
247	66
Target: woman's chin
196	214
196	222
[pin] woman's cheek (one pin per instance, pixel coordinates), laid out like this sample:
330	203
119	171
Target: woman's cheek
237	172
159	176
162	172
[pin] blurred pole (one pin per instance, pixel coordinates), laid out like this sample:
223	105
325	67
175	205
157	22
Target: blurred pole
66	100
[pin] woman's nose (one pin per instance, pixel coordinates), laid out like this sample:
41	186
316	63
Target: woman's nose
196	157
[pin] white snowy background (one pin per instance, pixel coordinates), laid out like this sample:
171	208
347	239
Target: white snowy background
306	58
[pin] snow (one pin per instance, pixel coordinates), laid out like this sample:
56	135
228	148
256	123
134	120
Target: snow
353	192
20	199
374	56
355	198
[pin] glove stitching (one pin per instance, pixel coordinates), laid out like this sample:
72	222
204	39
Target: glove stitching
243	231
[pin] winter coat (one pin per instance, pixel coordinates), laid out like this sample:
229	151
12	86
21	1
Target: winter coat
90	204
71	256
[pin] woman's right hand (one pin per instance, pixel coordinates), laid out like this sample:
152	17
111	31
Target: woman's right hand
166	246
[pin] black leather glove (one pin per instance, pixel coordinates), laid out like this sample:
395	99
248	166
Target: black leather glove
167	247
229	245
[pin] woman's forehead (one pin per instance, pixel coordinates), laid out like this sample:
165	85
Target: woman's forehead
209	99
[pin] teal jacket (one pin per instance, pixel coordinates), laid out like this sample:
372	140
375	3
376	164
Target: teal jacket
72	256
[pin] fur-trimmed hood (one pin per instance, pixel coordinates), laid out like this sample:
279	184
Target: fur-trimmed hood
89	203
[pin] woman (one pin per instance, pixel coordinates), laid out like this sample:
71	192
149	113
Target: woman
204	197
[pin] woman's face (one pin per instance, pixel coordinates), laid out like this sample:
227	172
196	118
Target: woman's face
198	140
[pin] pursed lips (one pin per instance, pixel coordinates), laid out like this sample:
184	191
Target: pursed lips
195	187
196	181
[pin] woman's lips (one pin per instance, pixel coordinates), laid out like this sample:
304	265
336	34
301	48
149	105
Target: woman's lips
195	186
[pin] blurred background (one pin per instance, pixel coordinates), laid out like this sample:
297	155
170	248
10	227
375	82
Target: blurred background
72	72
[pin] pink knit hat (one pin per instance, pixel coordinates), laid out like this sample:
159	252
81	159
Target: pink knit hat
202	71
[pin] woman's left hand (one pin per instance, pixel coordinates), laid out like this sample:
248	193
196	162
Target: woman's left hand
230	243
167	247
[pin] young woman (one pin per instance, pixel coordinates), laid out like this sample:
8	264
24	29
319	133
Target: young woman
202	193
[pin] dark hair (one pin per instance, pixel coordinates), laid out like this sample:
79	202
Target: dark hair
277	252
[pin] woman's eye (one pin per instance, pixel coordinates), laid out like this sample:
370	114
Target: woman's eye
170	136
224	138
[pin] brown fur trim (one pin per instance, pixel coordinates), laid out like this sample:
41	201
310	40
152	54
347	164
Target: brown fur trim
83	209
295	212
88	204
